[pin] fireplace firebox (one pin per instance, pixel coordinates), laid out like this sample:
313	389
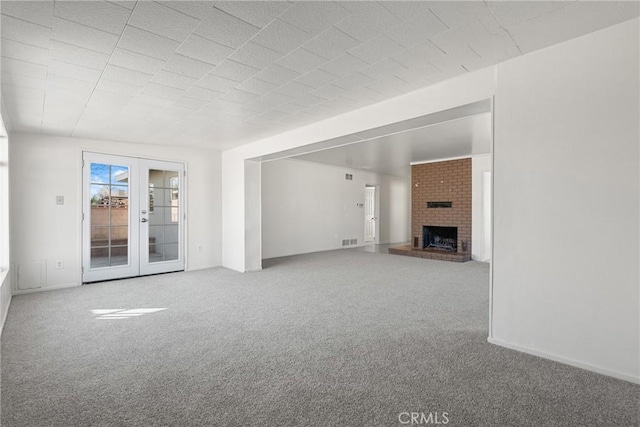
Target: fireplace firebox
443	238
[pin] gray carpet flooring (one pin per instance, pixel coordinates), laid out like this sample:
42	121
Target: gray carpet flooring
341	338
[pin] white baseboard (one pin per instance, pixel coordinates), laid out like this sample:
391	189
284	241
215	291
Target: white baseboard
566	361
48	288
202	268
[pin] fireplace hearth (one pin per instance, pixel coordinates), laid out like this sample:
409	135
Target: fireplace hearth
441	238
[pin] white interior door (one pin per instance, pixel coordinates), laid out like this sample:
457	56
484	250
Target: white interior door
370	214
133	213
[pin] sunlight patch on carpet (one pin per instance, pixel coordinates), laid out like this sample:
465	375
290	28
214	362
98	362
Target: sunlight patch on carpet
123	313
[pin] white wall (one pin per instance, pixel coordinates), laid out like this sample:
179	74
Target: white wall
253	225
567	195
309	207
5	259
43	167
479	165
394	209
461	90
234	216
4	201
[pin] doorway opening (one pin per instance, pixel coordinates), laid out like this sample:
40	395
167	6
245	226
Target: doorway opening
133	217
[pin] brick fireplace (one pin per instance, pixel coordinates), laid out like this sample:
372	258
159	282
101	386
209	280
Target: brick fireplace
440	211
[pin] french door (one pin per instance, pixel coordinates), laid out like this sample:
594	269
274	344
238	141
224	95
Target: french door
133	217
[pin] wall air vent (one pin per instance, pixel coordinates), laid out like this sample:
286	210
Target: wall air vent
439	204
348	176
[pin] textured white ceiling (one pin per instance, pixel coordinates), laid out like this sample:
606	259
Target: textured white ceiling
220	74
392	153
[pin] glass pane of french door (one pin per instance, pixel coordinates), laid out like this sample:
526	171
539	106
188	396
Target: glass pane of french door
109	215
164	207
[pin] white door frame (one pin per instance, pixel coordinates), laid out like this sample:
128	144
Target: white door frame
376	219
138	255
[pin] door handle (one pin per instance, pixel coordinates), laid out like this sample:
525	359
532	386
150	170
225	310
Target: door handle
144	220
